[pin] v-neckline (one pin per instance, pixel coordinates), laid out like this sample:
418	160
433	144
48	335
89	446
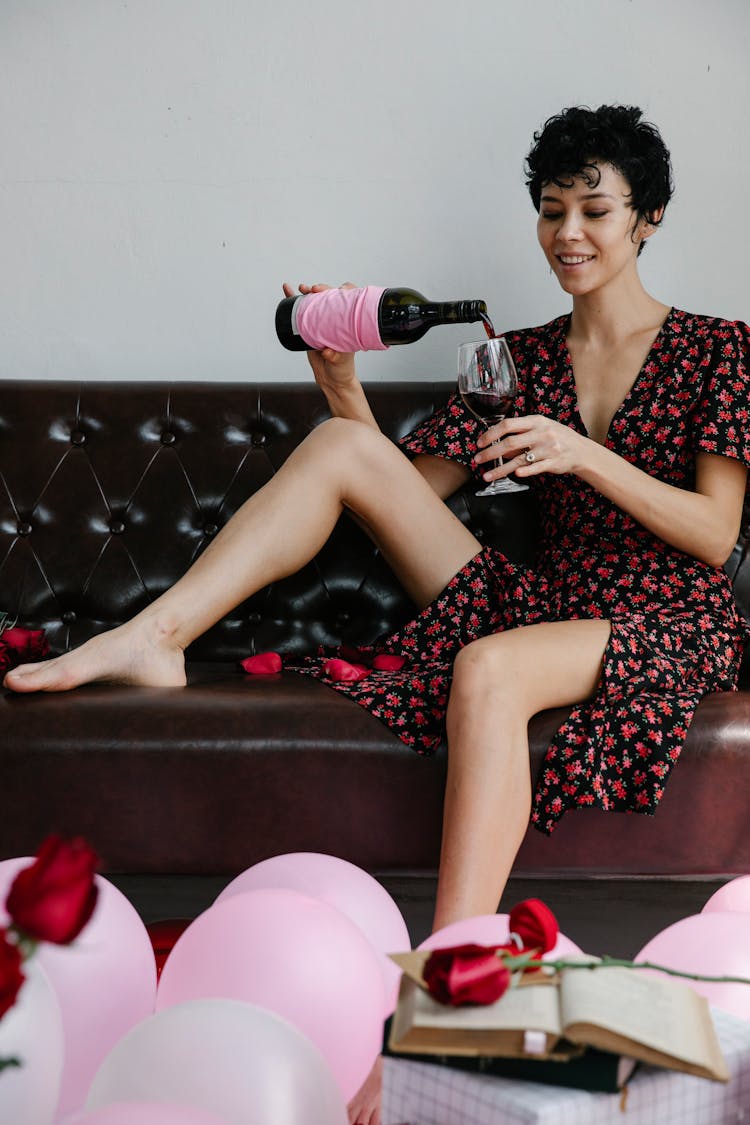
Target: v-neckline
634	385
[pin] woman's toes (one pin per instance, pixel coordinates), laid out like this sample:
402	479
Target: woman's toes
38	677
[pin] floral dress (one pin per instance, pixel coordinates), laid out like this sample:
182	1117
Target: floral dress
676	634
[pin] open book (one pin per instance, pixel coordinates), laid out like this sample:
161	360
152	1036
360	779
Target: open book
622	1011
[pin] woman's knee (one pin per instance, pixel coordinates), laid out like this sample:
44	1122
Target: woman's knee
333	443
350	443
534	667
360	450
336	432
488	669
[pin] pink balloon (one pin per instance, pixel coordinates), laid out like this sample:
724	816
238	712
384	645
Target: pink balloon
717	944
297	957
489	929
105	982
345	886
733	896
145	1113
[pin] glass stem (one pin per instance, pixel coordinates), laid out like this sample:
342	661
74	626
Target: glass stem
498	464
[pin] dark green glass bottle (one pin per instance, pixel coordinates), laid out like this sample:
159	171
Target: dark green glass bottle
350	320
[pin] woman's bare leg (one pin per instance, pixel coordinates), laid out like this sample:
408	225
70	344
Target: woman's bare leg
342	464
499	683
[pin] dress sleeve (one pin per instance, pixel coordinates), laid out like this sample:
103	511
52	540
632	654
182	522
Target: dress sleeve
722	415
451	433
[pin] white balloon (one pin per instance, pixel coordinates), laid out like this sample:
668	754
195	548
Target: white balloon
144	1113
31	1031
105	982
233	1059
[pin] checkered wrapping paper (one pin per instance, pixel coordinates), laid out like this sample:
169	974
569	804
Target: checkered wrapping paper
422	1094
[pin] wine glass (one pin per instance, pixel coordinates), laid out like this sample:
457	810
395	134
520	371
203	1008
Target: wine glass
488	384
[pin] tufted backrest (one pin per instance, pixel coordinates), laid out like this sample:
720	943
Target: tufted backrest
108	491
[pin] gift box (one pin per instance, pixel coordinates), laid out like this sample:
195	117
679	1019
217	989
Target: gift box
418	1093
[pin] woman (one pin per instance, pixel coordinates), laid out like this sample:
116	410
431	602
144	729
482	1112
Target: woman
632	424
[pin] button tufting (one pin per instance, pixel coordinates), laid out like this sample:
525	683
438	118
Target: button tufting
210	529
253	618
167	438
259	438
78	437
117	527
68	617
25	529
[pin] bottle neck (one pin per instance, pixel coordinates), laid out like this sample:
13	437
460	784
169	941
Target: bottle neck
455	312
405	315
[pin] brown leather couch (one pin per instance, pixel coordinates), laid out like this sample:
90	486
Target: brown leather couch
107	492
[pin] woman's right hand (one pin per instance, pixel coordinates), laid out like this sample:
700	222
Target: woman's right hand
333	370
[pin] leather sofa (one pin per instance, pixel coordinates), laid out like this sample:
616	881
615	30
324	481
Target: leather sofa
107	492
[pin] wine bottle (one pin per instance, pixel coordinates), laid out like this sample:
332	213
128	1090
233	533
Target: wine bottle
368	319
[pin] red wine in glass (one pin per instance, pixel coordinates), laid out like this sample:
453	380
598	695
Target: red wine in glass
488	385
487	406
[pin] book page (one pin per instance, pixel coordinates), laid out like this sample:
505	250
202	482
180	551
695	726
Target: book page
662	1014
527	1009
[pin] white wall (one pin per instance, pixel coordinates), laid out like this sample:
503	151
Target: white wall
164	164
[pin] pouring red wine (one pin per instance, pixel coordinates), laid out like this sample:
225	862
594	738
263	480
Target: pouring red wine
488	385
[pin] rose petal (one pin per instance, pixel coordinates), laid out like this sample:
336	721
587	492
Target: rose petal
262	664
535	924
11	973
387	663
343	670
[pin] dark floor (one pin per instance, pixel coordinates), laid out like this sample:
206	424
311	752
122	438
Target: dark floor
602	916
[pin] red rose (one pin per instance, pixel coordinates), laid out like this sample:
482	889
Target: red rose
263	664
25	644
6	659
11	977
54	898
535	924
466	974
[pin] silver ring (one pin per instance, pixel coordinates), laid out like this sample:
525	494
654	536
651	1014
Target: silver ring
529	455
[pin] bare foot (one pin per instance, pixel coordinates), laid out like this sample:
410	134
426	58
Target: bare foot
141	652
364	1108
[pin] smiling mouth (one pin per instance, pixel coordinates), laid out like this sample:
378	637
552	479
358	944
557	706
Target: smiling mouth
574	259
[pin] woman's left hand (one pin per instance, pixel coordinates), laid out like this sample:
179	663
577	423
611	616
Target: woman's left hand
553	448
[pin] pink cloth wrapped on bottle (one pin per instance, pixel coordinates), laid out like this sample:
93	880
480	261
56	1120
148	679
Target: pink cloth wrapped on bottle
343	319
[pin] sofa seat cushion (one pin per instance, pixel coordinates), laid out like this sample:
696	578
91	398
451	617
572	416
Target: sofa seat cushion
232	769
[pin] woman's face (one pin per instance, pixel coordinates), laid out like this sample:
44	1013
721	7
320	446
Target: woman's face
590	235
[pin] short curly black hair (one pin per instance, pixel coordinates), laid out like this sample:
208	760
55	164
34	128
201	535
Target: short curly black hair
572	143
